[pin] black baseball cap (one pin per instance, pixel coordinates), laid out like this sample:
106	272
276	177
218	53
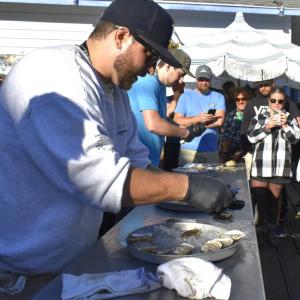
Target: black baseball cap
264	82
146	19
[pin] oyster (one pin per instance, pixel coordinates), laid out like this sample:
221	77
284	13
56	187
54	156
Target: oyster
184	249
195	166
139	237
230	163
234	234
225	241
198	166
224	215
211	246
196	232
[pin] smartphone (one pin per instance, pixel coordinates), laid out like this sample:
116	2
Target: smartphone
211	111
277	116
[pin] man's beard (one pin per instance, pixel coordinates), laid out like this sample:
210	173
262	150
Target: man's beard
204	89
124	68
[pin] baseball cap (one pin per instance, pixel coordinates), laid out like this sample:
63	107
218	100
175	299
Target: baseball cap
184	59
264	82
147	20
204	72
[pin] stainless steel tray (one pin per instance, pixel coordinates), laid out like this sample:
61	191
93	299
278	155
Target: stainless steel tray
211	173
209	232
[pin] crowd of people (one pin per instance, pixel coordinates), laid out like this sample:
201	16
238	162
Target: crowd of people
257	125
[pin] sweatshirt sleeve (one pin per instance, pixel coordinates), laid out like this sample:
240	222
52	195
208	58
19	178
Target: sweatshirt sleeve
257	130
73	151
292	132
136	150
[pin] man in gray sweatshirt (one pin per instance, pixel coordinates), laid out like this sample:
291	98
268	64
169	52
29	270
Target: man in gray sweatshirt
69	146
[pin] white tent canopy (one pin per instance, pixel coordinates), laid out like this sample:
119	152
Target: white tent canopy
247	54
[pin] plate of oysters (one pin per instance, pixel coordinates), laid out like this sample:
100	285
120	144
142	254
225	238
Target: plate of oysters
177	238
209	168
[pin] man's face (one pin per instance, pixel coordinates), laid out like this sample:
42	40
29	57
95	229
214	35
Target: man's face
203	85
133	61
174	76
265	88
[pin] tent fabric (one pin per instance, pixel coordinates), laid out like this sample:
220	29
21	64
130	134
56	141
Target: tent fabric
259	3
246	53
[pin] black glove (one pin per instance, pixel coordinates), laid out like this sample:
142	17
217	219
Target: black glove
208	194
195	130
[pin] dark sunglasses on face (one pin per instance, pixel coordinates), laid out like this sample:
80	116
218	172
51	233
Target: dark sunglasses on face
279	101
153	55
241	99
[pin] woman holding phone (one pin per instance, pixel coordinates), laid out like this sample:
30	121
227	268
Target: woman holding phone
272	133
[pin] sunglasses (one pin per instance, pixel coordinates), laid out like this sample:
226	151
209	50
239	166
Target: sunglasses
241	99
152	55
279	101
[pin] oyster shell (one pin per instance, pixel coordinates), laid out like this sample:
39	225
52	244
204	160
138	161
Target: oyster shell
230	163
211	246
225	241
138	237
196	232
224	215
233	234
195	166
184	249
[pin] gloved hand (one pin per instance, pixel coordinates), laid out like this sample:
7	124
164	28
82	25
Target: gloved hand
195	130
208	194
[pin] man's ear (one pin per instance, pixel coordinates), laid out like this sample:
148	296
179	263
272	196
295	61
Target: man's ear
122	36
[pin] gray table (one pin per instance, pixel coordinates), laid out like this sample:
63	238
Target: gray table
110	253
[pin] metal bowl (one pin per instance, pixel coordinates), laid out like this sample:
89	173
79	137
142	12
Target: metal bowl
184	225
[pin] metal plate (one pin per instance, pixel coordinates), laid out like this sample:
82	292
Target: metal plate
209	232
210	169
211	173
